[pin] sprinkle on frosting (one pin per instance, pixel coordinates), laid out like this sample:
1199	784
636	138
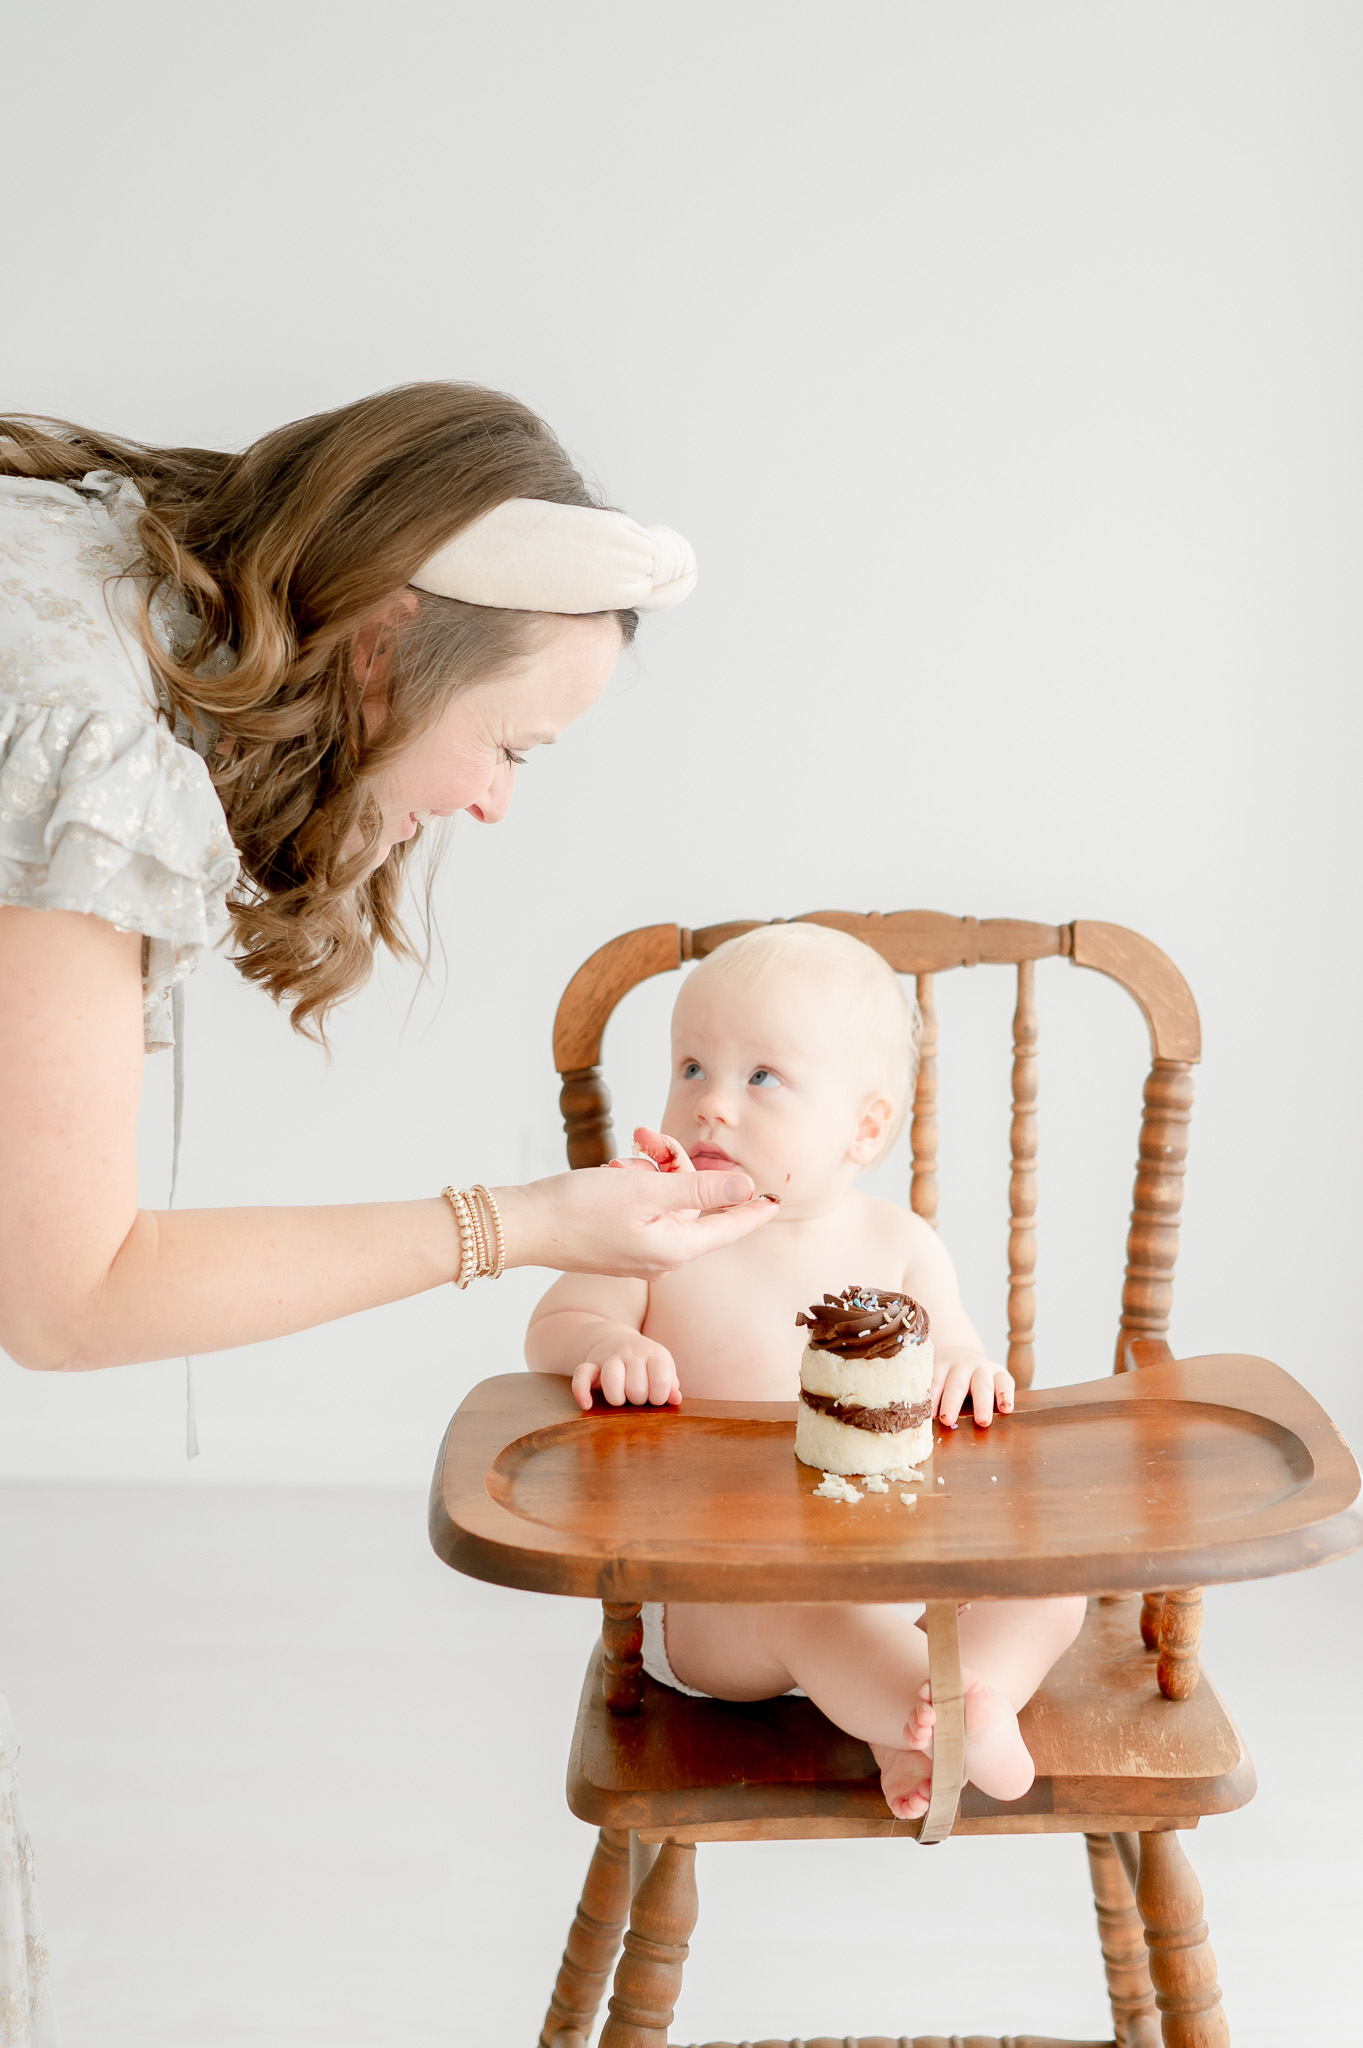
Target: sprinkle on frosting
864	1322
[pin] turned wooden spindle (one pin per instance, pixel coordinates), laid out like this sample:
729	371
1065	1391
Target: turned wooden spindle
1022	1185
1179	1636
593	1943
1152	1240
1129	1990
1152	1608
1182	1966
648	1977
923	1128
586	1105
622	1664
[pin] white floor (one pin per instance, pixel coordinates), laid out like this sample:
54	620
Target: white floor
295	1785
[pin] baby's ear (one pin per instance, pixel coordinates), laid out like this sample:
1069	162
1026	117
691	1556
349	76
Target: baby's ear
876	1112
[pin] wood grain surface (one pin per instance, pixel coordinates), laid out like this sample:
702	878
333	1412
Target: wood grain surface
1195	1472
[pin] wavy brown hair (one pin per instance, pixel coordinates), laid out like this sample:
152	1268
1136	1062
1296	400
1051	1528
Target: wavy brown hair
279	554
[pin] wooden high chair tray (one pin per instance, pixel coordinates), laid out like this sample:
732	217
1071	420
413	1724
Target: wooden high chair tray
1194	1472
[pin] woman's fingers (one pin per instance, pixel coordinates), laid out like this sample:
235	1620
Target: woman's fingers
704	1191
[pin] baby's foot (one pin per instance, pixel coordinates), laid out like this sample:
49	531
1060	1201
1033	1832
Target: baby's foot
905	1779
996	1757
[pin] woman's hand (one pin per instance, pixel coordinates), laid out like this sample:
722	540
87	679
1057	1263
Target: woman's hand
636	1225
628	1367
958	1373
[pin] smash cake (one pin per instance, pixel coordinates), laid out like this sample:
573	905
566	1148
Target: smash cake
865	1383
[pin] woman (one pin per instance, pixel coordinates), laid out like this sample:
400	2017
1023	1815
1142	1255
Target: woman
233	690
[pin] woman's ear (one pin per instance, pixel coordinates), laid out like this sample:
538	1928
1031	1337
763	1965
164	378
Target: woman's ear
371	653
876	1112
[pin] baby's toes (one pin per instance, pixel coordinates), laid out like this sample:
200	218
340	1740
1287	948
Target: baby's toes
920	1724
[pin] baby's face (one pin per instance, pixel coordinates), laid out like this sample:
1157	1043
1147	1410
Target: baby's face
761	1079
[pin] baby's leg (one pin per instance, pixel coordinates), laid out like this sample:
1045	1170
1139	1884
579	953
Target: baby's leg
863	1666
1007	1647
1014	1643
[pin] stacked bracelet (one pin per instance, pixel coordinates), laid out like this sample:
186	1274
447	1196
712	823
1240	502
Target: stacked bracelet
482	1245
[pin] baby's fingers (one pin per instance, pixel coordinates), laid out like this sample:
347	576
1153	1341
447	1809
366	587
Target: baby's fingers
584	1379
637	1389
982	1394
955	1387
662	1381
613	1381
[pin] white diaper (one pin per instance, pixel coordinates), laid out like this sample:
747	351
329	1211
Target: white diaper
660	1670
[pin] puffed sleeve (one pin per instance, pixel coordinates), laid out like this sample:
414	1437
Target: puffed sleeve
101	810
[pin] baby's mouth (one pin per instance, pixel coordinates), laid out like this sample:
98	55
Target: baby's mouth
706	1158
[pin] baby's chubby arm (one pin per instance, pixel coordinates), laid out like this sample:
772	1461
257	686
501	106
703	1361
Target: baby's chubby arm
590	1328
960	1363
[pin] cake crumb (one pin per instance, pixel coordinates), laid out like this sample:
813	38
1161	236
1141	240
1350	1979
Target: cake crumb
835	1487
910	1500
873	1483
993	1479
910	1473
941	1481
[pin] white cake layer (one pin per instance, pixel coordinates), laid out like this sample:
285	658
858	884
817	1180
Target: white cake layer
869	1382
833	1446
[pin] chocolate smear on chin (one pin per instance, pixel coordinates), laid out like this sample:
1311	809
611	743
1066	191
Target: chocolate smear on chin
864	1322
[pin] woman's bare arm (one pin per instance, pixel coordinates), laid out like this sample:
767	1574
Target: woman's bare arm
88	1280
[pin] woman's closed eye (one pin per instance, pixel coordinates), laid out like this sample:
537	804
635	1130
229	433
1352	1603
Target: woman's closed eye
763	1077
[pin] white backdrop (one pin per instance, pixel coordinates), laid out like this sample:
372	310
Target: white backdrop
1001	363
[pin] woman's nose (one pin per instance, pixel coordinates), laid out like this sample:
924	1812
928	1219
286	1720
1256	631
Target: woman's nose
497	802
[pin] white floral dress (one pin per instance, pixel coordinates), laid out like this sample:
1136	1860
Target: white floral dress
101	810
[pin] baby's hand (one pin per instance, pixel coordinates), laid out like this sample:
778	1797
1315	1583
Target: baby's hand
989	1387
654	1152
628	1367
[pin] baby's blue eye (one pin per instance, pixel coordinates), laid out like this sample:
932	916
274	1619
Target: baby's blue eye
763	1077
693	1071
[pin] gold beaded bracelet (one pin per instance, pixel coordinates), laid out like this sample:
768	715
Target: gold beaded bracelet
482	1244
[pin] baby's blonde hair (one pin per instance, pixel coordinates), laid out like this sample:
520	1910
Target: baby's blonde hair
881	1022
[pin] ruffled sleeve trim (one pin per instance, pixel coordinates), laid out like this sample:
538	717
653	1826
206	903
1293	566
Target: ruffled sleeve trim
102	811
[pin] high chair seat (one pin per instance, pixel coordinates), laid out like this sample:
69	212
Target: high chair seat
1111	1755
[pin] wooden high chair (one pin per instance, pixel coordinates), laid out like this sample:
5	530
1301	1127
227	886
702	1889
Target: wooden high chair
1168	1477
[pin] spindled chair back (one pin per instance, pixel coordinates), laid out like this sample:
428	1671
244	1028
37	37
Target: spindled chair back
924	944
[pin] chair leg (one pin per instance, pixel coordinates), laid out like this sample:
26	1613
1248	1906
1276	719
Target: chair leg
593	1944
649	1974
1134	2022
1182	1966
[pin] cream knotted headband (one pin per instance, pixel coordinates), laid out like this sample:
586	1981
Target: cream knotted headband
529	555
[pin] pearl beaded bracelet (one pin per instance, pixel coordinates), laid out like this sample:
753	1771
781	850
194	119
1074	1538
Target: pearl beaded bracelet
482	1246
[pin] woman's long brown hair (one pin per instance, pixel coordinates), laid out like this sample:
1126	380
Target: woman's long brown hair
279	554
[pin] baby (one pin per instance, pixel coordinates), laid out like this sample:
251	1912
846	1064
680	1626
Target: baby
794	1051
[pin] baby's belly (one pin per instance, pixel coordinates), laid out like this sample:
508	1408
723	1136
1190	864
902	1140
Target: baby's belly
712	1367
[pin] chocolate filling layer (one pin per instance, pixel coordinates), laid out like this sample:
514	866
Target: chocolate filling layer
894	1416
864	1322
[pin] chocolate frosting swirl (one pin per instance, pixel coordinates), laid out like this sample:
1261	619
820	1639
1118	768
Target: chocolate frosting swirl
864	1322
